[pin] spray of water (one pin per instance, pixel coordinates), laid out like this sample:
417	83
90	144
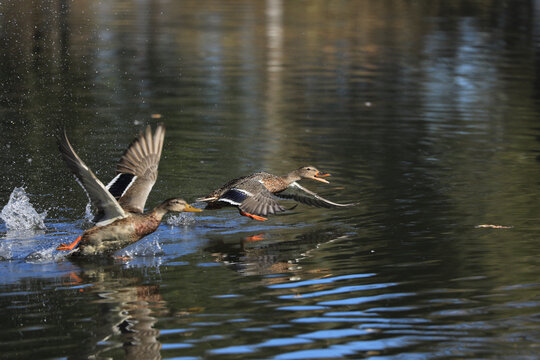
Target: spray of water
145	248
19	214
182	219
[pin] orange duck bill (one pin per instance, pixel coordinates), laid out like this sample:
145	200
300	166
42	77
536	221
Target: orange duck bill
318	176
190	208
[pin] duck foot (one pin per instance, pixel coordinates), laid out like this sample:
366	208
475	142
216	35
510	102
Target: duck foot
67	247
254	217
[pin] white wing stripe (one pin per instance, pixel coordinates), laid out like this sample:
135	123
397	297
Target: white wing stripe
112	181
243	192
116	179
296	185
229	201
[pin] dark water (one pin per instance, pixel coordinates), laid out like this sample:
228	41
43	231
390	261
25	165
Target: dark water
426	112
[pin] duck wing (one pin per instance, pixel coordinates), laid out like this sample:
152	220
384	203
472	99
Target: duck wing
107	206
138	170
302	195
252	197
237	183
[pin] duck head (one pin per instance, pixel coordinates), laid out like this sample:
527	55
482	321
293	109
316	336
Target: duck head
179	205
311	172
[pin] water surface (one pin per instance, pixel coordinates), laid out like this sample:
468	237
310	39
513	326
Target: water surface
425	112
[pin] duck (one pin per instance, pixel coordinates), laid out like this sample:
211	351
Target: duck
120	219
258	194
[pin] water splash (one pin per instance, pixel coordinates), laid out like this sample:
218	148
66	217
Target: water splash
44	255
19	214
88	216
182	219
145	248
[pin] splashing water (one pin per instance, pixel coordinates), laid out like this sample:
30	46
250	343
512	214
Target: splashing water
88	216
182	219
19	214
152	248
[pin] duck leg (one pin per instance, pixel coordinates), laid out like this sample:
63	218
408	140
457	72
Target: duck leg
254	217
67	247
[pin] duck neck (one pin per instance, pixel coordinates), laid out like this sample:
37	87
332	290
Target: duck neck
291	177
159	211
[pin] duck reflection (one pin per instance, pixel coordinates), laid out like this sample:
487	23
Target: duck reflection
139	337
262	254
128	310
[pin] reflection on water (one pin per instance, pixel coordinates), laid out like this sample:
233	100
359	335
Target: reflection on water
127	311
426	113
260	255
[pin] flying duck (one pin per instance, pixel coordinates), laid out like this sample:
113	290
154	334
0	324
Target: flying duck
257	195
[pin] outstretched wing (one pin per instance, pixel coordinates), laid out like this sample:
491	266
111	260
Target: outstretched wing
302	195
138	170
256	200
107	206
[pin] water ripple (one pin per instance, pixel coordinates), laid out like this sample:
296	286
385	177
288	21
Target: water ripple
364	299
340	290
326	280
329	319
334	334
351	348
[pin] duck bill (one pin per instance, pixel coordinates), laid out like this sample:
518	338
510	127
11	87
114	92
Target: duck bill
321	175
190	208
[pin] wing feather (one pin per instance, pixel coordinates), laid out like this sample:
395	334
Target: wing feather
313	199
262	203
142	160
233	197
107	206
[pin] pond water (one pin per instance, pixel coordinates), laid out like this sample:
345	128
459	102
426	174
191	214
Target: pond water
427	113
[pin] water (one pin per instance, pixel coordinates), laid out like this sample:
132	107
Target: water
19	214
426	113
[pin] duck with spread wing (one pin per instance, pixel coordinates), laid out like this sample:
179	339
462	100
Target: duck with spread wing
120	219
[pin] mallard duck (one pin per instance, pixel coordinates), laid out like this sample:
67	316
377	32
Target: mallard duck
257	195
120	220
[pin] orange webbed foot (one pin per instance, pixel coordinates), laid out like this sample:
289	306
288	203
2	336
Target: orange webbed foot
254	217
67	247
